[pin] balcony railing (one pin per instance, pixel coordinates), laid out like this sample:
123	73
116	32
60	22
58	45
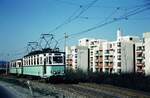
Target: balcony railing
140	64
141	70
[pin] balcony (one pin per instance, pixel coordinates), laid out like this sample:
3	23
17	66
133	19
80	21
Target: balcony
96	60
110	65
139	57
106	52
106	60
100	60
101	65
111	59
139	51
141	70
96	54
101	49
140	65
106	65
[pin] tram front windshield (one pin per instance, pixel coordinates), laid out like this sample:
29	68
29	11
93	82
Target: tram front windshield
57	59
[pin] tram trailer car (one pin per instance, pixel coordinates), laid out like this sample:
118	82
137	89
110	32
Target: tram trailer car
44	63
15	67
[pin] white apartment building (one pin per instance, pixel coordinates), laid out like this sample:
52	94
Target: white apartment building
94	46
77	58
125	55
147	52
124	61
114	56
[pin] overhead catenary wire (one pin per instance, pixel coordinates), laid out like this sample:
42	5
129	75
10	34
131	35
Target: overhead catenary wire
129	14
134	11
75	15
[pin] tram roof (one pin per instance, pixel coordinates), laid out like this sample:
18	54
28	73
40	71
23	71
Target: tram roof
47	50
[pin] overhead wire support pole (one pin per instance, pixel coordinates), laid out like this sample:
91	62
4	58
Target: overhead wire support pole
65	36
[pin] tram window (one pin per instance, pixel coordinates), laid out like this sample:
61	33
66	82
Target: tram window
50	60
19	64
46	60
37	60
57	59
34	60
40	60
29	61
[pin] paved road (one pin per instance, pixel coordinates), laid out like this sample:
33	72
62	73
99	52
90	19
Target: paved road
5	93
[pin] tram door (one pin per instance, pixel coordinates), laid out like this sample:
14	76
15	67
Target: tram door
44	69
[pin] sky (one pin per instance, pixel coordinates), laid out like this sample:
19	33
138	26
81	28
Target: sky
22	21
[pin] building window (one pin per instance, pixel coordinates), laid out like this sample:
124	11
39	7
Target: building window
76	50
119	57
139	48
118	50
106	51
119	44
110	45
96	69
118	70
75	55
119	64
75	60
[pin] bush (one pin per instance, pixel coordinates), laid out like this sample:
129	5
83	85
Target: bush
130	80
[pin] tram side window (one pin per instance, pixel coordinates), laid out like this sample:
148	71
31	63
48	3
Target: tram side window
50	60
19	64
37	60
15	64
40	60
46	60
34	60
57	59
29	61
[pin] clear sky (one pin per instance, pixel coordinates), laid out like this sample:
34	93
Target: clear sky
22	21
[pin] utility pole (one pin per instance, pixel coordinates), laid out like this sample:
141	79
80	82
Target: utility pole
7	63
65	36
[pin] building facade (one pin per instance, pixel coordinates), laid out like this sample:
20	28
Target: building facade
94	46
127	54
77	58
147	52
